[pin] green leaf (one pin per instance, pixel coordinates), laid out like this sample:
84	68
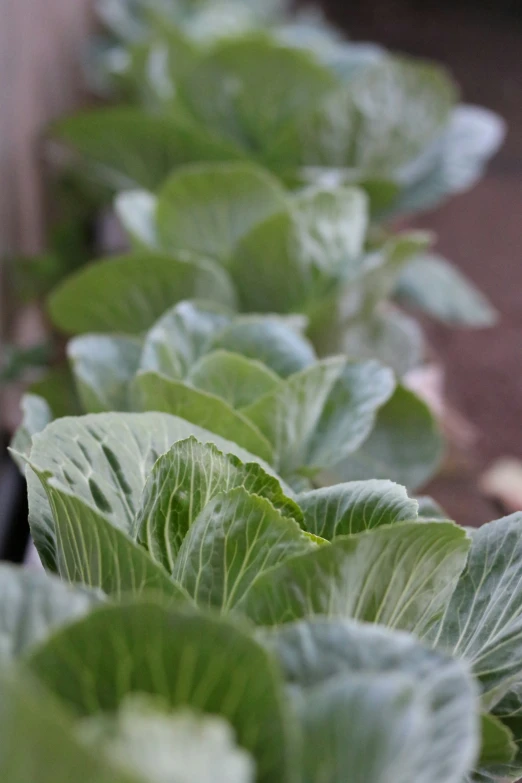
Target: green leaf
401	576
231	95
347	509
153	145
181	337
471	138
146	285
320	656
295	257
58	389
483	621
387	335
237	380
36	415
289	415
158	393
136	211
235	539
350	412
269	339
91	551
430	509
186	659
105	459
209	209
498	746
33	606
433	285
383	119
184	480
163	747
404	446
104	367
37	741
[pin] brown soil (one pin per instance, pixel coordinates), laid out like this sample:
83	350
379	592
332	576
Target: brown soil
480	231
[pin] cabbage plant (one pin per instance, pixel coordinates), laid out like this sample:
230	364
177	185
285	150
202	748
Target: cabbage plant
392	124
190	572
233	233
254	380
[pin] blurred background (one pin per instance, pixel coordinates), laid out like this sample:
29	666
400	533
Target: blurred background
481	231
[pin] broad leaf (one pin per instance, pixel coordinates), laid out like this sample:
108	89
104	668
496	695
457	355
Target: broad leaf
388	335
36	415
136	211
186	659
235	539
181	484
104	367
289	415
337	653
158	393
146	285
237	380
33	606
439	289
471	138
230	94
269	339
405	445
104	460
91	551
384	118
350	412
208	209
181	336
346	509
154	144
483	622
401	576
294	257
498	746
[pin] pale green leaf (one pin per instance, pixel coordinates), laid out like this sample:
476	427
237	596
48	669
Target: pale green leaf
405	445
157	393
483	622
126	148
293	258
103	367
235	539
105	459
146	284
181	337
346	509
401	576
208	209
439	289
91	551
136	211
189	660
289	415
323	652
230	94
388	335
269	339
350	412
36	415
472	136
33	606
237	380
181	484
